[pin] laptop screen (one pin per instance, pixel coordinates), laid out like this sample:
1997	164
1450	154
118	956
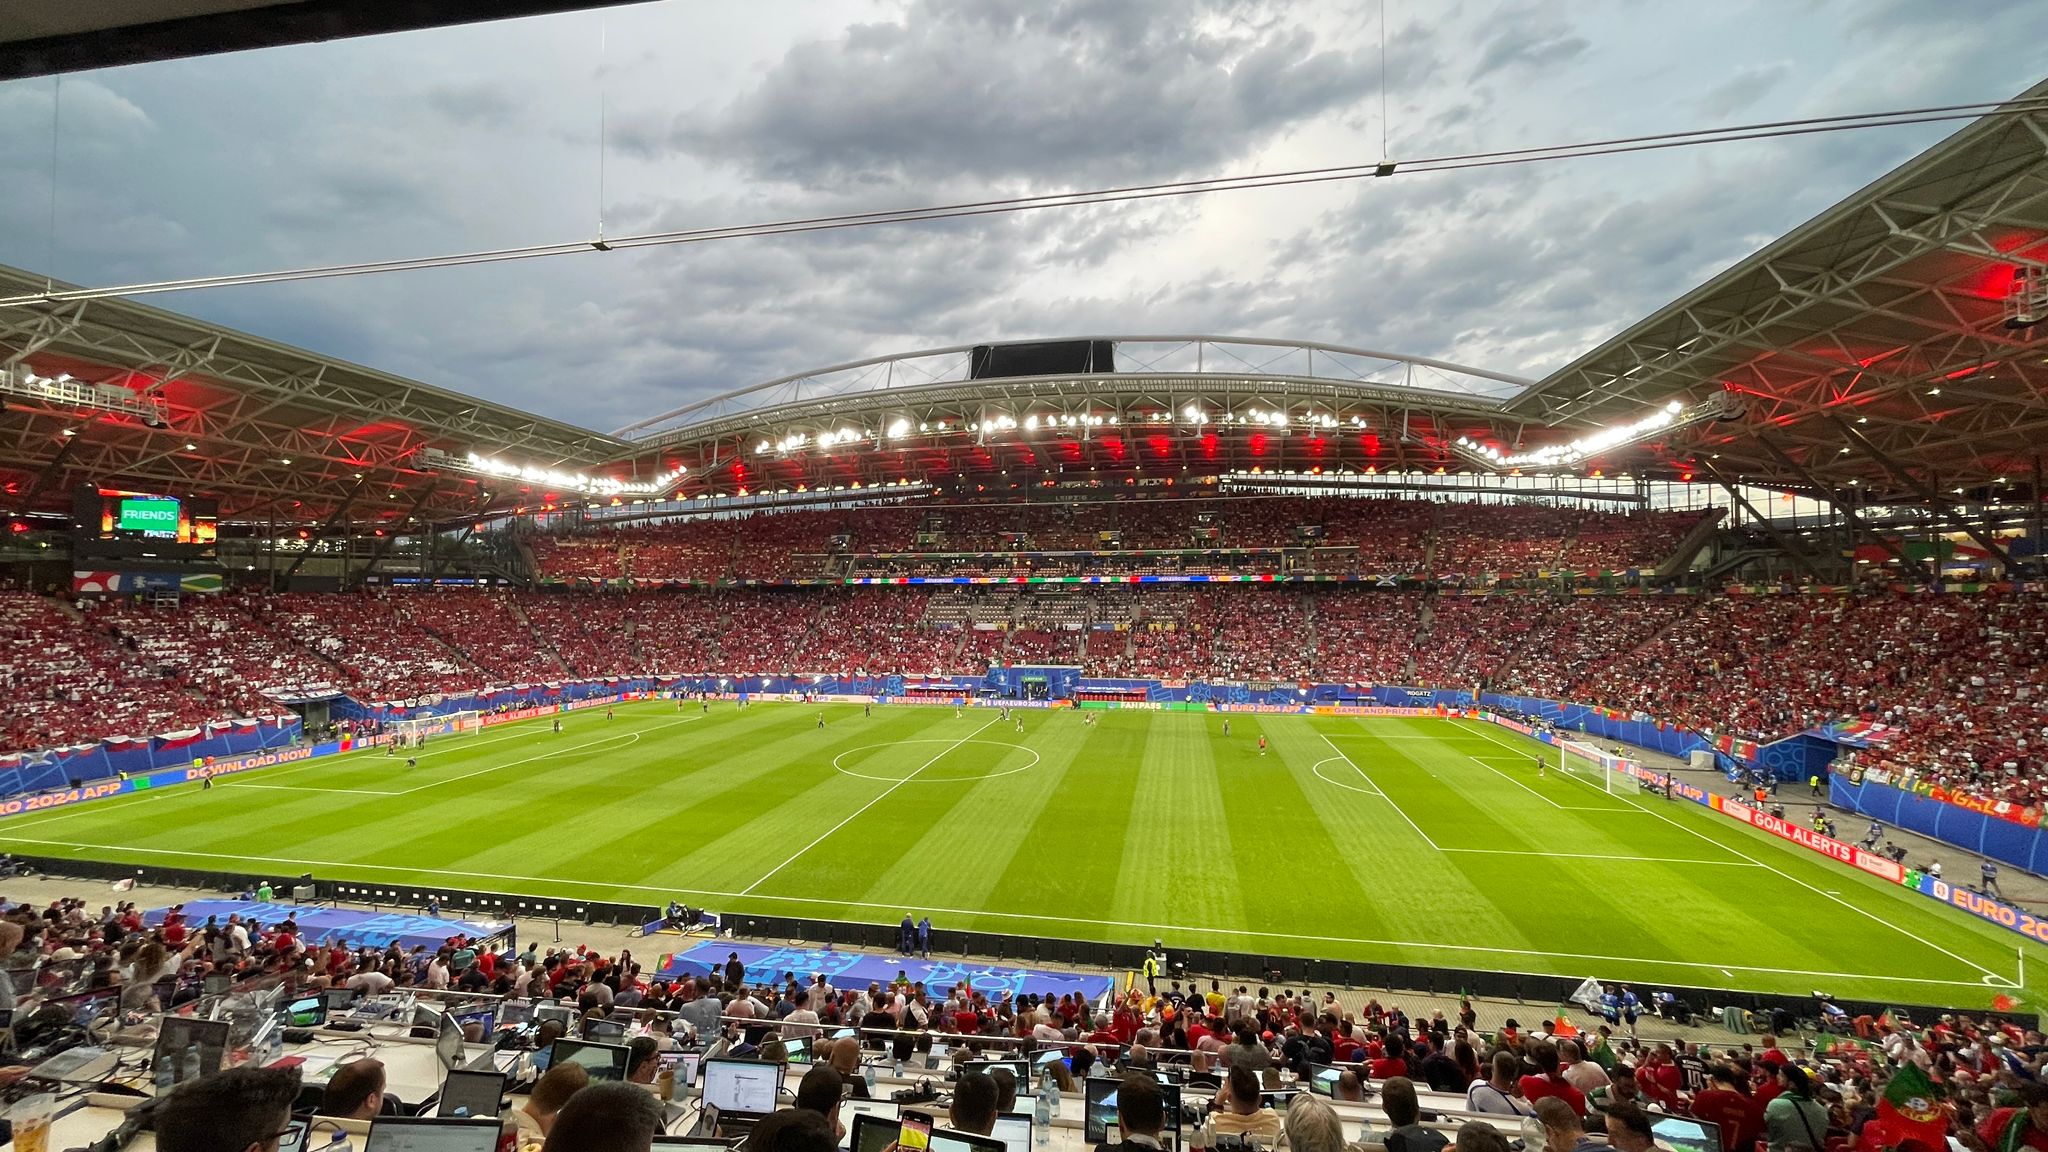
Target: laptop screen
1100	1114
419	1134
1014	1131
187	1049
602	1061
1686	1135
946	1140
469	1093
741	1085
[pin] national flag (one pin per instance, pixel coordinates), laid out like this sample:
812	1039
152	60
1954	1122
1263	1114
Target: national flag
2003	1003
125	884
1910	1110
1562	1027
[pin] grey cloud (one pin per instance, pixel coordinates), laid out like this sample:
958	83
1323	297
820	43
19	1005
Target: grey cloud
1748	85
1531	38
1051	92
477	105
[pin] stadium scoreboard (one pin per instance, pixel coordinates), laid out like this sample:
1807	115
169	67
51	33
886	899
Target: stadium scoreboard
120	523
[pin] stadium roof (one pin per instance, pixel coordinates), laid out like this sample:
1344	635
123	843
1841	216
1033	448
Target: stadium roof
1871	342
39	37
1872	346
274	431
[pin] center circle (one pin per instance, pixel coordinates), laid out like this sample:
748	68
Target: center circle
1317	769
925	776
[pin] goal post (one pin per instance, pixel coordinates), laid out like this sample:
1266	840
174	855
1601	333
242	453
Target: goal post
1587	763
415	731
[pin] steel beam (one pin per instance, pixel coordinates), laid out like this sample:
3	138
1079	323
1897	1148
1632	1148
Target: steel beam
1834	497
319	534
1934	500
1786	544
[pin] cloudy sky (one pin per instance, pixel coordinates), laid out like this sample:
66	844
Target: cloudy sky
488	135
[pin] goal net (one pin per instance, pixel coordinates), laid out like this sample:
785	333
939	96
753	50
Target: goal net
415	732
1592	765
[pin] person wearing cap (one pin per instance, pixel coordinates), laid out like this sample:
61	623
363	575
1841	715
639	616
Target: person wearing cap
1794	1120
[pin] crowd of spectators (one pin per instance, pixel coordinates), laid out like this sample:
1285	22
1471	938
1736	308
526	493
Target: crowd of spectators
1957	685
1957	682
66	683
1340	536
1432	1077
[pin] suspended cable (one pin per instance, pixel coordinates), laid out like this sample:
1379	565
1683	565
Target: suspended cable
1307	176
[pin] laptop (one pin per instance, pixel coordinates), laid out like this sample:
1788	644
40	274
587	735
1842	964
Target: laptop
432	1134
467	1092
1014	1131
602	1061
741	1088
947	1140
1021	1069
684	1065
1684	1134
186	1049
1099	1110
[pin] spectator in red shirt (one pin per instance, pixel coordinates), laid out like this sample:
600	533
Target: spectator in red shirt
1726	1101
1394	1061
1546	1080
1658	1078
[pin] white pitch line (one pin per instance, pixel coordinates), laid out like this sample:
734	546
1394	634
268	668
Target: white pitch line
504	732
1547	800
1316	770
748	890
1794	879
1032	916
1596	856
1382	792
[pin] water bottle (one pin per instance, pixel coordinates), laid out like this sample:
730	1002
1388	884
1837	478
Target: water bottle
1041	1113
1368	1139
1052	1092
899	1069
867	1073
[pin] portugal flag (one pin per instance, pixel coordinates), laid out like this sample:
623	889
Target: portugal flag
1910	1111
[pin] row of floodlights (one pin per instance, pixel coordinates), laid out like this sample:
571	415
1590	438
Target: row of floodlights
1564	455
902	428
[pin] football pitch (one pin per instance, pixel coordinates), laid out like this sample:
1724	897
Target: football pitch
1415	841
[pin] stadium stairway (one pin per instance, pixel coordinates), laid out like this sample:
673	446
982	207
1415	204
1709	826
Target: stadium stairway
541	642
1690	544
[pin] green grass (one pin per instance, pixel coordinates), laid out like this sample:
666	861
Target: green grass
1415	841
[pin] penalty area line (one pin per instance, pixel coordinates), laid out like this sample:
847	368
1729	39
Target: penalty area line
1731	849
